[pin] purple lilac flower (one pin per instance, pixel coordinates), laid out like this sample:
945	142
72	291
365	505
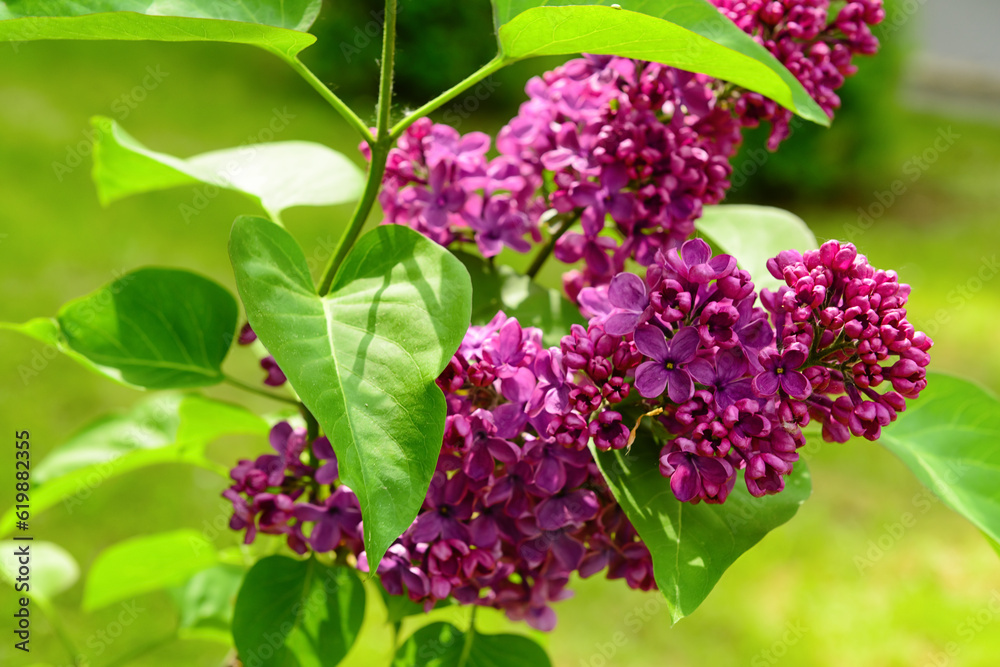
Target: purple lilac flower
666	369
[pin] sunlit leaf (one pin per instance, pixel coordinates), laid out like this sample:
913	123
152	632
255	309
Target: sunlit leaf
278	27
754	234
949	439
688	34
144	564
363	358
276	175
693	545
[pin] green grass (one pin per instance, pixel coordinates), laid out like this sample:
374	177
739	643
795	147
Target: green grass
804	578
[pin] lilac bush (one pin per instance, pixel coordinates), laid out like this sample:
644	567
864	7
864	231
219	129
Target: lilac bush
616	158
458	430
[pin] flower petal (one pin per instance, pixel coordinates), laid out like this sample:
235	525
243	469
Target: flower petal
652	343
651	379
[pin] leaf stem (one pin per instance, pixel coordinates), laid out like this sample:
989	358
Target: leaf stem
486	70
345	111
568	220
386	74
239	384
469	638
380	151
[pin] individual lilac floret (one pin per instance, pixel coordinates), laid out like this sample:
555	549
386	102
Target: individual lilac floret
781	372
666	369
627	294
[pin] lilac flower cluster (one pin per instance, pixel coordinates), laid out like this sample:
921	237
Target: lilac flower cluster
630	150
699	334
517	503
814	46
279	494
441	184
843	332
634	145
731	391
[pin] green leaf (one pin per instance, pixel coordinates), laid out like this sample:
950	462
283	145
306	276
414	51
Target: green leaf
755	234
206	600
692	545
160	328
144	564
163	429
53	569
688	34
275	27
276	175
948	437
444	645
297	612
496	288
365	357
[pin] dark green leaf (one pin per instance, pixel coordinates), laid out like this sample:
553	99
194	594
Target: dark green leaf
163	429
754	234
297	613
144	564
692	545
444	645
276	27
496	288
948	437
160	328
277	175
363	358
688	34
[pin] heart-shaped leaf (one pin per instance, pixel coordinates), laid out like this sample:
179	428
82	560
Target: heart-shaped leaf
164	429
496	288
297	612
688	34
144	564
276	27
444	645
159	328
277	175
364	357
949	439
692	545
755	234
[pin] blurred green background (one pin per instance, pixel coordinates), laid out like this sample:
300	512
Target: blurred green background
802	597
